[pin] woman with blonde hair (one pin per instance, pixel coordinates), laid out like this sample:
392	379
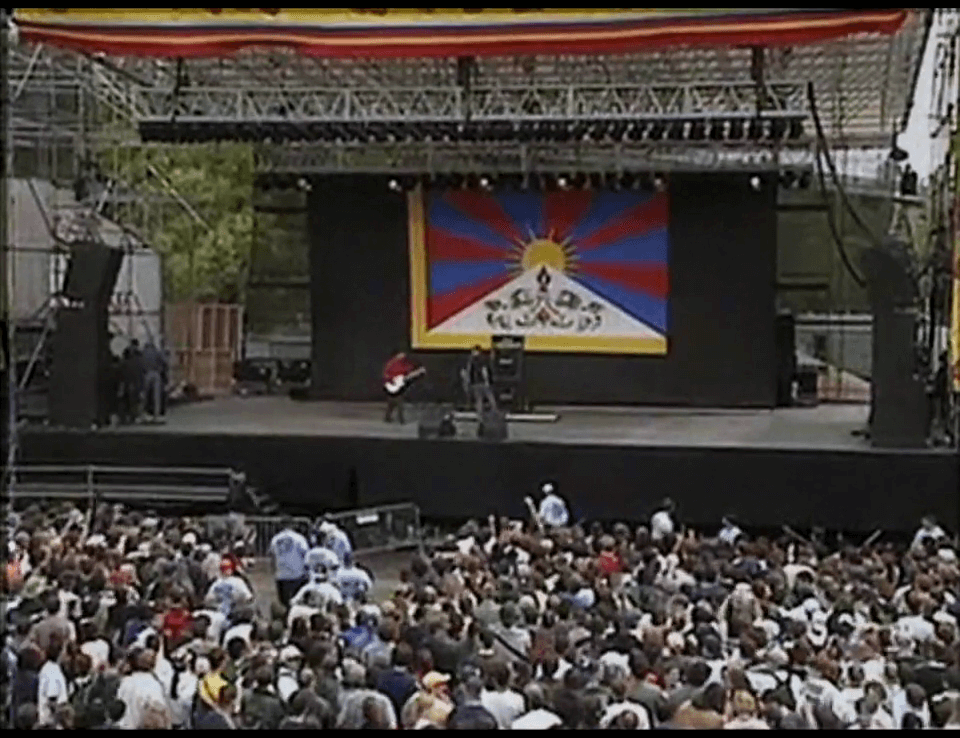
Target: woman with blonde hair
432	703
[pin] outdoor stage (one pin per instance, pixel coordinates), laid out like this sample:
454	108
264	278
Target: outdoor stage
797	466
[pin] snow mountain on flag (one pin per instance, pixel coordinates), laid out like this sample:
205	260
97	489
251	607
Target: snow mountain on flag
578	264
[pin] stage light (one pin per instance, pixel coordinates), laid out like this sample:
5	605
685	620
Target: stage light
394	185
485	183
755	129
676	131
778	129
717	129
657	131
303	185
659	182
755	183
627	180
698	130
787	179
795	129
562	182
736	130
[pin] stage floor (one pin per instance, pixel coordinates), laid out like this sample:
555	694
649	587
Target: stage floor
827	427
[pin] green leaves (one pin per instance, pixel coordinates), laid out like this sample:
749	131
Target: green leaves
206	252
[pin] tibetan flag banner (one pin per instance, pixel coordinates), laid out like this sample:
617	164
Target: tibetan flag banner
572	271
437	32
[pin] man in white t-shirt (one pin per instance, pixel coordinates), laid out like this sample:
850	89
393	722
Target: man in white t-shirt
140	689
552	511
51	685
661	524
321	561
502	702
229	590
288	550
318	593
928	531
352	581
336	539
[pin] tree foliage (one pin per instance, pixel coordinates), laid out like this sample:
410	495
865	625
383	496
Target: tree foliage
207	254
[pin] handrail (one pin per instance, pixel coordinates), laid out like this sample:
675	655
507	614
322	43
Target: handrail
135	483
122	469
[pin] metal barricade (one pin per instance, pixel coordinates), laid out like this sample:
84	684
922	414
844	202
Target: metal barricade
384	528
141	485
371	530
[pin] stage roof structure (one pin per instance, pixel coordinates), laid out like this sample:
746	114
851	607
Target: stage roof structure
417	91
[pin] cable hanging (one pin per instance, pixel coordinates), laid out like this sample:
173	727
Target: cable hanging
822	150
823	145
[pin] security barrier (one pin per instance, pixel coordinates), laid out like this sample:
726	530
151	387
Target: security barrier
142	485
371	530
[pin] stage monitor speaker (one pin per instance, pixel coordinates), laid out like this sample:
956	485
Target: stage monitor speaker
436	422
493	426
91	275
786	344
80	372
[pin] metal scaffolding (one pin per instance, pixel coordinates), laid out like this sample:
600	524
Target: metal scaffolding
863	84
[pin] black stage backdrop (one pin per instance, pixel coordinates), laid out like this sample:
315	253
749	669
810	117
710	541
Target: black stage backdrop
722	305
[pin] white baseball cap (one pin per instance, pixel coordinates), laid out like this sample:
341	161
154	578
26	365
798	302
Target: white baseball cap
547	487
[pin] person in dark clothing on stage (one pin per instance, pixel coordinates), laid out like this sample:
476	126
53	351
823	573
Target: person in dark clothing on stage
476	379
397	373
132	379
154	371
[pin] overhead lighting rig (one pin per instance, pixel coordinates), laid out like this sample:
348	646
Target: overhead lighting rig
544	181
678	129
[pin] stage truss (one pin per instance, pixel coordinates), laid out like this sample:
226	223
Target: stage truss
680	108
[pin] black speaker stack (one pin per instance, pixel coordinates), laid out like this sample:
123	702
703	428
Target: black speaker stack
509	381
786	343
80	367
900	408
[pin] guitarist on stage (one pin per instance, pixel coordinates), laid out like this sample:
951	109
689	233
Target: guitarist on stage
398	372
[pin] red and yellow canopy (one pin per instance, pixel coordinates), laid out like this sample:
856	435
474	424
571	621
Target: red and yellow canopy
442	32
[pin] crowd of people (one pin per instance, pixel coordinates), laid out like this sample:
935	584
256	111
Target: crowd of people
117	619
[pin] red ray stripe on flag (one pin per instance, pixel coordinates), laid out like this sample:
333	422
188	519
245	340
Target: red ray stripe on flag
637	221
564	210
652	279
487	210
445	246
442	306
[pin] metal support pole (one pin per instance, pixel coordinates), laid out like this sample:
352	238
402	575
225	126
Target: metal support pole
7	254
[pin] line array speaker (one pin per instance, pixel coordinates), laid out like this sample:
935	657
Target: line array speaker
80	367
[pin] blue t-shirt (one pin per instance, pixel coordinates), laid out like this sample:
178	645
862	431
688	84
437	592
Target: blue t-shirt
289	550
